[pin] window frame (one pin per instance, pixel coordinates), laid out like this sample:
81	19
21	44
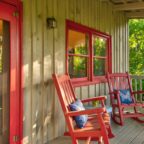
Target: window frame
91	78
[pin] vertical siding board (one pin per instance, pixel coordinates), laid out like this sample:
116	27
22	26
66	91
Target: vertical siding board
27	67
49	70
37	73
91	91
97	91
103	16
115	45
93	14
78	11
90	13
120	46
85	7
71	10
55	44
82	11
123	44
74	11
100	17
77	92
126	45
46	114
84	92
59	47
110	16
34	56
67	9
43	77
96	14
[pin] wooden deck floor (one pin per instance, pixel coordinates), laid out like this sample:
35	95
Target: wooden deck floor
131	133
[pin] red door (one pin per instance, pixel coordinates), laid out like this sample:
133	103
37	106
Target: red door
9	75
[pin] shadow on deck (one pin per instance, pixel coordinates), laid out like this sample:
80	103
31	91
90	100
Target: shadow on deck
131	133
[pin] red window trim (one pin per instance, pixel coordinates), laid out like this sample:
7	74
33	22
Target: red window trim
91	79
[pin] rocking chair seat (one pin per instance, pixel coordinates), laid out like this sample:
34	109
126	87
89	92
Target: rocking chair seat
93	125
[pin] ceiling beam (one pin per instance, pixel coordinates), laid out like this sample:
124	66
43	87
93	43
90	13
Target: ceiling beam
135	14
129	6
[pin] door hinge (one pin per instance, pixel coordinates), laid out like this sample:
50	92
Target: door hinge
15	138
16	14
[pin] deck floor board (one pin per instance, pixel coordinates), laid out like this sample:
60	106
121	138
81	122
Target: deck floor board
131	133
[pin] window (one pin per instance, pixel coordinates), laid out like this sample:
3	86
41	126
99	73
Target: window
88	53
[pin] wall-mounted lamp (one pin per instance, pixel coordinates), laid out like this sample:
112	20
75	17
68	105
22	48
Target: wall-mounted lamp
51	22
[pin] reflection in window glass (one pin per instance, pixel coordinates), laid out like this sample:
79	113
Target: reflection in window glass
77	67
78	54
99	46
99	67
77	43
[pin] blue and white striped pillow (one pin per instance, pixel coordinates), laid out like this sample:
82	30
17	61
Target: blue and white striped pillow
81	119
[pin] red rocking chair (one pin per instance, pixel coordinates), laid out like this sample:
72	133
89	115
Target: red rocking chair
97	126
122	98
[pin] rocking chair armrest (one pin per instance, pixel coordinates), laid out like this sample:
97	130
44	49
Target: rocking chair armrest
99	98
89	111
138	92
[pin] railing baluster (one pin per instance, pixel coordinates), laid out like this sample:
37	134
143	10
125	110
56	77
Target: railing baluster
140	89
138	84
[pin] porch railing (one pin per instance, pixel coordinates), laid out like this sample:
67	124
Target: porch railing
138	84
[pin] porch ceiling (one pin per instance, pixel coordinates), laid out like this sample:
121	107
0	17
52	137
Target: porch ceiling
132	8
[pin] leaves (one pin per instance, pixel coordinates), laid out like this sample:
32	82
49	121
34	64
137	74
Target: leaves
136	45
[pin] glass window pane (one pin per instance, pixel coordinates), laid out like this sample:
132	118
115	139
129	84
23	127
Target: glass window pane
99	46
77	43
99	67
77	67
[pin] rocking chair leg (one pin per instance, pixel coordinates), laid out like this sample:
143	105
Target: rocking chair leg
114	116
121	116
135	110
137	118
100	140
105	139
110	134
88	140
74	141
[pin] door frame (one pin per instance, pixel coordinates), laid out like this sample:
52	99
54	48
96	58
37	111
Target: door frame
16	117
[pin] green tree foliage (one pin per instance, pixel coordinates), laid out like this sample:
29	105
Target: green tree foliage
136	45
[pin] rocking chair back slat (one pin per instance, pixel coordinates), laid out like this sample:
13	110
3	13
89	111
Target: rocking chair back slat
118	83
65	90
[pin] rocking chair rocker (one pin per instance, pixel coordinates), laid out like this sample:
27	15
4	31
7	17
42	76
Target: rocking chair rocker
124	104
97	126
